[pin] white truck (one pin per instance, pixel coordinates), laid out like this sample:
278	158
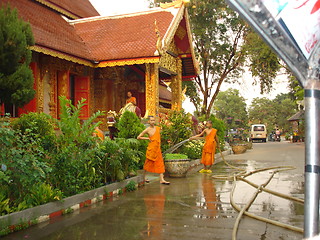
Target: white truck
258	132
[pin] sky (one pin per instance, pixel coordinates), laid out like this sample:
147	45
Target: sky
247	90
111	7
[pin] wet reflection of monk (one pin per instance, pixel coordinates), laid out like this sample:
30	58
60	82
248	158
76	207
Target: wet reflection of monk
210	197
154	211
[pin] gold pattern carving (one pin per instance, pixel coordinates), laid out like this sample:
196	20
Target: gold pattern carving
176	88
159	40
39	91
165	110
181	32
152	89
168	61
53	97
61	55
128	62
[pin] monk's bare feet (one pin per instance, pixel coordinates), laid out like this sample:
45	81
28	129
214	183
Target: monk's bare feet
165	183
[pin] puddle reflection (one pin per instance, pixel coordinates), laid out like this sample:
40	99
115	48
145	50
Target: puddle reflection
154	212
208	199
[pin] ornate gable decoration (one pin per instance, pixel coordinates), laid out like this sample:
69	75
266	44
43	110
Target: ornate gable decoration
168	60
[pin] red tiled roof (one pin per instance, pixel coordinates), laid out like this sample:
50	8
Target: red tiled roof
50	29
123	37
80	8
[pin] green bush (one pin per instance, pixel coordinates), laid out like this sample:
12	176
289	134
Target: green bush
74	164
22	164
131	186
177	128
70	124
118	158
4	204
38	125
129	125
32	174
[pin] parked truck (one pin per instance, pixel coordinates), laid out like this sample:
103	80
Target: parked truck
258	132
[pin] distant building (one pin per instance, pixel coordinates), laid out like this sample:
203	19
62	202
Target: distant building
297	125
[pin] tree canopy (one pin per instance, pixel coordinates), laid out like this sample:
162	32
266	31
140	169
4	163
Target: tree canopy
273	113
231	108
225	45
16	80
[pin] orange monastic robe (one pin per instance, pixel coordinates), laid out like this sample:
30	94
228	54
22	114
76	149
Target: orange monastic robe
154	161
209	148
97	132
131	100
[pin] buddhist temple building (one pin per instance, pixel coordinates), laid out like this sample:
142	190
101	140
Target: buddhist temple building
79	54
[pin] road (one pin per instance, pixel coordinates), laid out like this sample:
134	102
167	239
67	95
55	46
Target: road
195	207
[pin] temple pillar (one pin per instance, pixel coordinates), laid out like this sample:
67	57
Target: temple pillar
176	88
120	84
152	89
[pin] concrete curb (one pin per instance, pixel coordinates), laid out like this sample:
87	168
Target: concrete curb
31	216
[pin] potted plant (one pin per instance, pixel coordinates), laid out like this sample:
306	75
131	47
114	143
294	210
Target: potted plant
239	148
176	164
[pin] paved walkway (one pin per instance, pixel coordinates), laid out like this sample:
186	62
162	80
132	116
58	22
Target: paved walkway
195	207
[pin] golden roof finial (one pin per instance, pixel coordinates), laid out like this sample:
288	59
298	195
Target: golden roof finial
159	40
175	4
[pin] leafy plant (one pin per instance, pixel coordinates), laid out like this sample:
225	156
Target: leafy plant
193	149
43	193
74	163
131	186
4	204
110	160
38	125
70	124
118	158
176	129
129	125
23	161
131	155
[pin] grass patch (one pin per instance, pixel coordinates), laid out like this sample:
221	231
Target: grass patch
174	156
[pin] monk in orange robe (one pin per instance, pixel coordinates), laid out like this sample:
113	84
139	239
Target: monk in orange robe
154	161
98	133
131	99
209	148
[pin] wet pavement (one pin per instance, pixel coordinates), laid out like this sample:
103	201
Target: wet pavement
195	207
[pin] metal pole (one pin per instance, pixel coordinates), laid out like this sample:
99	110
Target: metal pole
312	166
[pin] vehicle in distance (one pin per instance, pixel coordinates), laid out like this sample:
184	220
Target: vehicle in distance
258	132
